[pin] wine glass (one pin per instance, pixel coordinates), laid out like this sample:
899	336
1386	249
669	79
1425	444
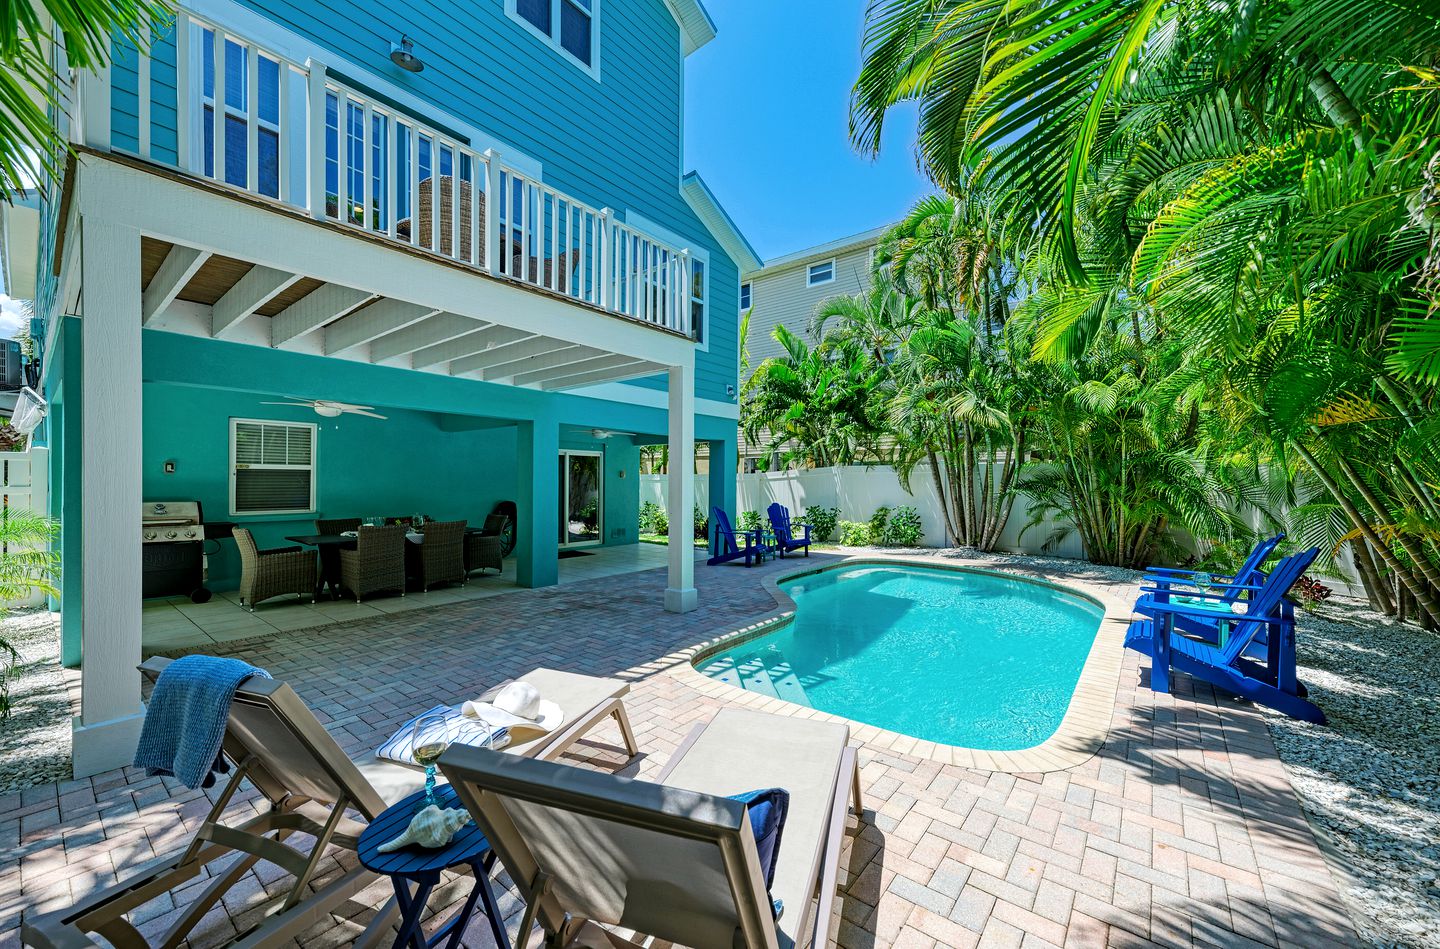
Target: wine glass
1204	582
429	737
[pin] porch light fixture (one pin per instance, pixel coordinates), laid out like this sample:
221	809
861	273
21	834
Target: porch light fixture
403	55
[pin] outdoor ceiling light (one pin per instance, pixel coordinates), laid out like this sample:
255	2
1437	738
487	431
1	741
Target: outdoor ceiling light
403	55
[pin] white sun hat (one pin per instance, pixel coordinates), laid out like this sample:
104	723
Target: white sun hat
517	706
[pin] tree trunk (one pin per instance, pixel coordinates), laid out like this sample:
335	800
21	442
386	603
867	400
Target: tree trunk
1332	99
1425	602
944	500
1376	590
1417	552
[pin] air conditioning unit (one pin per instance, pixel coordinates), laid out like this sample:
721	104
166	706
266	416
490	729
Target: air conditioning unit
12	363
30	411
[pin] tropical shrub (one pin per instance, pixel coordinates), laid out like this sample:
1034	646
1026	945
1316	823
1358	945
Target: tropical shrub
27	565
879	524
904	528
702	524
856	534
750	521
653	519
822	521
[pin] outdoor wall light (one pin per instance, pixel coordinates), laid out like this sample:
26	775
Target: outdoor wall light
403	55
730	390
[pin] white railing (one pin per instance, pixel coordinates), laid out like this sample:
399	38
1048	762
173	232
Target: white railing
294	133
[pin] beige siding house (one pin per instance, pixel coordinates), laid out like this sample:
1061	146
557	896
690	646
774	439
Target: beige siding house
786	292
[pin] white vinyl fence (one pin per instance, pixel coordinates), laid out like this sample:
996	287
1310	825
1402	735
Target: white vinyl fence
25	486
857	491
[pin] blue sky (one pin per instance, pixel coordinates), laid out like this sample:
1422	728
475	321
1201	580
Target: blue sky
767	125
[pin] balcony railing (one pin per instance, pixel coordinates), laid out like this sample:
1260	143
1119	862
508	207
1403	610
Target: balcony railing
295	134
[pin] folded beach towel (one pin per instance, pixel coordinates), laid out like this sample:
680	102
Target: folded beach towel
456	729
185	723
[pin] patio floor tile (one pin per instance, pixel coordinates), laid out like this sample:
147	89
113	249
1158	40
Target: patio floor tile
1182	830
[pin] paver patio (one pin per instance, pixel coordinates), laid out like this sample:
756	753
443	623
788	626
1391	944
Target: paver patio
1182	831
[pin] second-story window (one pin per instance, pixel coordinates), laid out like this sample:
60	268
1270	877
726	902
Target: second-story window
567	24
820	273
698	284
745	296
234	164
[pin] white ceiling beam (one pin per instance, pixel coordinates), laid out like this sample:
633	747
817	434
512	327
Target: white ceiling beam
180	265
586	365
551	360
440	328
634	370
509	354
313	311
258	287
371	323
468	345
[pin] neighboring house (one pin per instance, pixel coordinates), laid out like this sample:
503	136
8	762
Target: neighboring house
787	291
483	229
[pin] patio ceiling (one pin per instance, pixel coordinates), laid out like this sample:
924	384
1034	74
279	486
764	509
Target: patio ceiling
190	289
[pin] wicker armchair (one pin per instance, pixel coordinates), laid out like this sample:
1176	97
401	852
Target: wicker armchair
271	573
337	525
441	557
377	564
486	549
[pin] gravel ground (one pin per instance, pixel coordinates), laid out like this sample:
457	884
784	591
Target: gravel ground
35	741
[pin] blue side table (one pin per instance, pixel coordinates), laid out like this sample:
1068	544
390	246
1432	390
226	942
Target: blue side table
422	867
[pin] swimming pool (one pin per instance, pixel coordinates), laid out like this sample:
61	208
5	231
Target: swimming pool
969	658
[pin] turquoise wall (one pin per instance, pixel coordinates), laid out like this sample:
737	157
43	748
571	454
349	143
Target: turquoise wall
614	143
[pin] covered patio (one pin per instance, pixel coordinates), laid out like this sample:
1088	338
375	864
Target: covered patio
184	318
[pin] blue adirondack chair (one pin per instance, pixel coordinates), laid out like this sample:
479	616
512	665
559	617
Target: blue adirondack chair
785	539
1269	612
1231	588
728	545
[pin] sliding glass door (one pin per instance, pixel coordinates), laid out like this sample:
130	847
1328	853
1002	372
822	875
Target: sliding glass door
582	499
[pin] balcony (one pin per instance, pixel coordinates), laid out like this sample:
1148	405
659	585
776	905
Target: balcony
297	137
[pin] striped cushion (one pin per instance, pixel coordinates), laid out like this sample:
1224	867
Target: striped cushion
459	729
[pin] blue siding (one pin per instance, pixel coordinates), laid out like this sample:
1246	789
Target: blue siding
615	142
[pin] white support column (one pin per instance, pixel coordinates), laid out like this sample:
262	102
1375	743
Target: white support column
108	565
680	594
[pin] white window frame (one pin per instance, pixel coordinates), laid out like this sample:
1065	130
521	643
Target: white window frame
810	280
744	286
314	464
565	455
593	68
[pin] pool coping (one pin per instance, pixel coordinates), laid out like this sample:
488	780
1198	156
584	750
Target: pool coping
1081	732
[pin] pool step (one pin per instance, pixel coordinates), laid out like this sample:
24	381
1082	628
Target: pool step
769	673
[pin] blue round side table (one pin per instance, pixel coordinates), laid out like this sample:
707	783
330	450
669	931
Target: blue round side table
422	867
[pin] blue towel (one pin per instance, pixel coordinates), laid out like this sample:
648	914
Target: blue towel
185	723
768	810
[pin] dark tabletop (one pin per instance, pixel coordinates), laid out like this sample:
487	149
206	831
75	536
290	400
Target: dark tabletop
467	846
320	540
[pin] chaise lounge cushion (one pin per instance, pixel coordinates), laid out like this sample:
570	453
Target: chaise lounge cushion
743	749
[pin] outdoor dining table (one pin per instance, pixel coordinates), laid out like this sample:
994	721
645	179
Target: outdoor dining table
330	545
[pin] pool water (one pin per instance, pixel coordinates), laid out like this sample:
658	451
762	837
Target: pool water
966	658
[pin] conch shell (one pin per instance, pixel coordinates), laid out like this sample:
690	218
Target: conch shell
431	828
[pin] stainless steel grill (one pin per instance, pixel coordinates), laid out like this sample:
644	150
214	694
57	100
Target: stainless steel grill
172	538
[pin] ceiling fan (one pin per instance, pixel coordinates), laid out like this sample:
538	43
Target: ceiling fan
603	433
331	409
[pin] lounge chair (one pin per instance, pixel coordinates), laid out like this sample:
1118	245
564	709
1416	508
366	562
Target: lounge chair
785	539
1270	613
673	860
276	743
1232	587
727	542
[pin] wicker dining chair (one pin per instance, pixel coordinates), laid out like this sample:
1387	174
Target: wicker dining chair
441	557
270	573
337	525
486	549
377	564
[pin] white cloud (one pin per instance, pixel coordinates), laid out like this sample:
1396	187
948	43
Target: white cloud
12	317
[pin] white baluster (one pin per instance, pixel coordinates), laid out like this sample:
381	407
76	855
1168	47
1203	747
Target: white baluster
414	136
392	155
492	211
367	173
604	250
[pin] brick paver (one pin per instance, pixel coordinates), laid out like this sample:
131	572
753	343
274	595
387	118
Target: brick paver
1182	831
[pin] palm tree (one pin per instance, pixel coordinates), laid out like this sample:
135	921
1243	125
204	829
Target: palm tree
30	142
27	565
